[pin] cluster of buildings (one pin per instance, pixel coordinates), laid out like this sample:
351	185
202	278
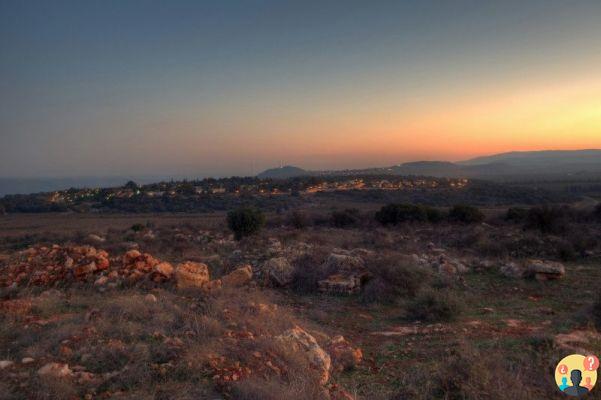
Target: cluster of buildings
252	186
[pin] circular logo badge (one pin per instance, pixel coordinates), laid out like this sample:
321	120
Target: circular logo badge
576	374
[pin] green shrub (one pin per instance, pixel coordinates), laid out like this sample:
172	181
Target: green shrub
245	221
345	218
466	214
434	306
393	214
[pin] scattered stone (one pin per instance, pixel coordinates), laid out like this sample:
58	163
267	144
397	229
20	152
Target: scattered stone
162	272
340	284
103	280
512	270
238	277
56	370
191	275
96	238
278	271
150	298
544	270
27	360
5	364
299	340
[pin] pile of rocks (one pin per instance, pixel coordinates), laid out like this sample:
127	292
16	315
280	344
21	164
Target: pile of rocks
440	262
347	273
47	266
58	266
136	266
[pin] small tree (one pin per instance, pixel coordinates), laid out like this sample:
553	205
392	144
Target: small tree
131	185
245	221
466	214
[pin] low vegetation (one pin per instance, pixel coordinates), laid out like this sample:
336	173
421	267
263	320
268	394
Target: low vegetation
466	214
434	306
245	221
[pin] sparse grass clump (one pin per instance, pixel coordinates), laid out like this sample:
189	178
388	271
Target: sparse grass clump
434	306
393	278
245	222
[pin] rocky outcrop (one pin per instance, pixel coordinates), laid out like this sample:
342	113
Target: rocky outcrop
297	339
534	269
344	264
238	277
191	275
340	284
347	274
544	270
55	370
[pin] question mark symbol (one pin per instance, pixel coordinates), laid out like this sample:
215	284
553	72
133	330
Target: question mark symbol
591	363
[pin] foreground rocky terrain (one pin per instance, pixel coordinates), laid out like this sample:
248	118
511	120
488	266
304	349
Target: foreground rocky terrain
415	311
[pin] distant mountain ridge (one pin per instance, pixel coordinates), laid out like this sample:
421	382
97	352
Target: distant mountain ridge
285	172
547	164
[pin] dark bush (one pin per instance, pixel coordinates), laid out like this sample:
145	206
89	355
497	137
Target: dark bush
466	214
597	212
245	221
307	272
548	219
393	214
393	279
299	220
516	214
137	227
345	218
434	306
434	214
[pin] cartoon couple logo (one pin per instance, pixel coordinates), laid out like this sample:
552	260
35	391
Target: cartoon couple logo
576	374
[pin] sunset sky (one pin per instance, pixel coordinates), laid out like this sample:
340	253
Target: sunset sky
192	88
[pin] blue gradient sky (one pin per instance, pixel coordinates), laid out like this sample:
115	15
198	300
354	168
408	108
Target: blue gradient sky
191	88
